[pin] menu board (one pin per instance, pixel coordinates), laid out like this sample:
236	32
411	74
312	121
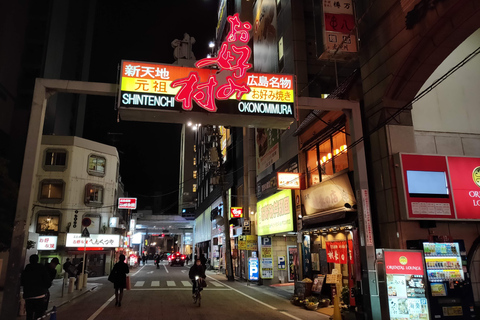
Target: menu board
443	262
406	285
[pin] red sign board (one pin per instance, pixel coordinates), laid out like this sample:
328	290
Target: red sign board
462	184
404	262
236	212
127	203
465	180
336	251
419	204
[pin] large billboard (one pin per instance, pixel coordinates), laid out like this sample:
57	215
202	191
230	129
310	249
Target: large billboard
439	187
275	214
218	91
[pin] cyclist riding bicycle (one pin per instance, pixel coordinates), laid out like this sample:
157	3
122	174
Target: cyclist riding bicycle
196	270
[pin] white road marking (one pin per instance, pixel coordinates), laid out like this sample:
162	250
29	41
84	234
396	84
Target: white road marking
256	300
186	283
179	289
171	283
93	316
139	284
165	268
155	284
216	284
137	271
149	272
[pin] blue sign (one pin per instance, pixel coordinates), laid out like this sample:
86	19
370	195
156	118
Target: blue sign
253	269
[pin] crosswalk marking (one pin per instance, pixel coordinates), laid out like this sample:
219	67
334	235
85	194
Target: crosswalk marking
216	284
171	283
155	283
186	283
139	283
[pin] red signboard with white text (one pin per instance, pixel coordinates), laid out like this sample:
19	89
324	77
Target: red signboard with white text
404	262
236	212
440	187
336	251
127	203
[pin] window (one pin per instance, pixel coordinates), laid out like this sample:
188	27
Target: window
194	161
93	194
51	191
55	160
48	221
194	174
96	165
194	188
327	158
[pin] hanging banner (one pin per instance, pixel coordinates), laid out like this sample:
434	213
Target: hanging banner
336	251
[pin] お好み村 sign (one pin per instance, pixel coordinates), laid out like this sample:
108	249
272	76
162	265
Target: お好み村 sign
218	93
47	243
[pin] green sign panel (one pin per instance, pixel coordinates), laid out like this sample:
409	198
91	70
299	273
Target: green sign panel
275	214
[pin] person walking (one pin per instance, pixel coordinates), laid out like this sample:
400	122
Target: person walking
198	269
52	274
35	281
69	268
119	274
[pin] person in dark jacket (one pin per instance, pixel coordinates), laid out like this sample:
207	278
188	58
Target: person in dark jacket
69	268
120	270
198	269
52	273
35	281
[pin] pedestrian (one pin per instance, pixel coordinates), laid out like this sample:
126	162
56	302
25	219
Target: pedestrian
52	274
144	258
79	269
69	268
203	259
157	260
198	269
35	281
119	278
187	259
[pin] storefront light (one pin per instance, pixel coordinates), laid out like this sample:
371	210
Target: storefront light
337	151
343	148
329	155
324	159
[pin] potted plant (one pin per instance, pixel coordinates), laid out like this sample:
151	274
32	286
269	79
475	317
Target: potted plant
296	300
311	303
348	313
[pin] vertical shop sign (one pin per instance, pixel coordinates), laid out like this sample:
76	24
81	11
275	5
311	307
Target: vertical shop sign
266	262
253	269
406	285
336	251
292	262
281	263
338	27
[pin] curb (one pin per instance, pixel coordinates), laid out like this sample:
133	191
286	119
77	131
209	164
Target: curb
70	300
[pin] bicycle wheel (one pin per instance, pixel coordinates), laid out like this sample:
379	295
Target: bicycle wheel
199	299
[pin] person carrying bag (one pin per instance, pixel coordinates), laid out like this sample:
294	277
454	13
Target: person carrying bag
120	279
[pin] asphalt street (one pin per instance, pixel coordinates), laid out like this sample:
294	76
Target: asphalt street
166	293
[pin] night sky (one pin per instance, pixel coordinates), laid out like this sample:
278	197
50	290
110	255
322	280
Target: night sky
143	31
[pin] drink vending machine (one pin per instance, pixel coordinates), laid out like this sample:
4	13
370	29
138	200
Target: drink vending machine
449	283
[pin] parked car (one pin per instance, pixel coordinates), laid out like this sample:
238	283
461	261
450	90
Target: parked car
177	258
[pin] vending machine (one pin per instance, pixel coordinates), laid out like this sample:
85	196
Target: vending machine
402	284
449	283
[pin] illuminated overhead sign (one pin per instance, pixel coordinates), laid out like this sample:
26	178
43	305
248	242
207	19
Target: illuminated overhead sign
95	240
127	203
236	212
275	214
47	243
219	93
289	180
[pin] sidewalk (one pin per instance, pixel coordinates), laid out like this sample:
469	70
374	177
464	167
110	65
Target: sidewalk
56	298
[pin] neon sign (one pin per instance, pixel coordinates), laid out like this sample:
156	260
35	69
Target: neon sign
212	90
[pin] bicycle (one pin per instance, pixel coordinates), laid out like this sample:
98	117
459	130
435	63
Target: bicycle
197	295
